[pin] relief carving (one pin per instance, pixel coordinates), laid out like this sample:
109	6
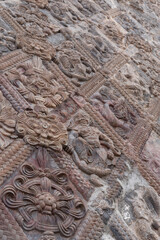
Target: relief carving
37	85
150	65
73	64
99	48
79	119
42	128
33	20
7	41
135	85
93	150
150	154
111	30
65	13
39	3
7	122
48	235
86	7
103	4
139	42
43	199
115	110
146	209
35	45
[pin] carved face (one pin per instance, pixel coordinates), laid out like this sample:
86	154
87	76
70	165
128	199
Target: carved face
39	129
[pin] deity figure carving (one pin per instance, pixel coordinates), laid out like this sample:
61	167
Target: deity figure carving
42	128
7	122
43	199
73	64
37	84
146	209
114	109
93	149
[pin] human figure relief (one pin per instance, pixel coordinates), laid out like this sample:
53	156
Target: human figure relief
73	64
115	111
37	84
90	145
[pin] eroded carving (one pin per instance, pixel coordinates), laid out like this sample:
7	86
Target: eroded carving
150	154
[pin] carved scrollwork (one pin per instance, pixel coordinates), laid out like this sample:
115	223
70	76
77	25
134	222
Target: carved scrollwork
44	200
